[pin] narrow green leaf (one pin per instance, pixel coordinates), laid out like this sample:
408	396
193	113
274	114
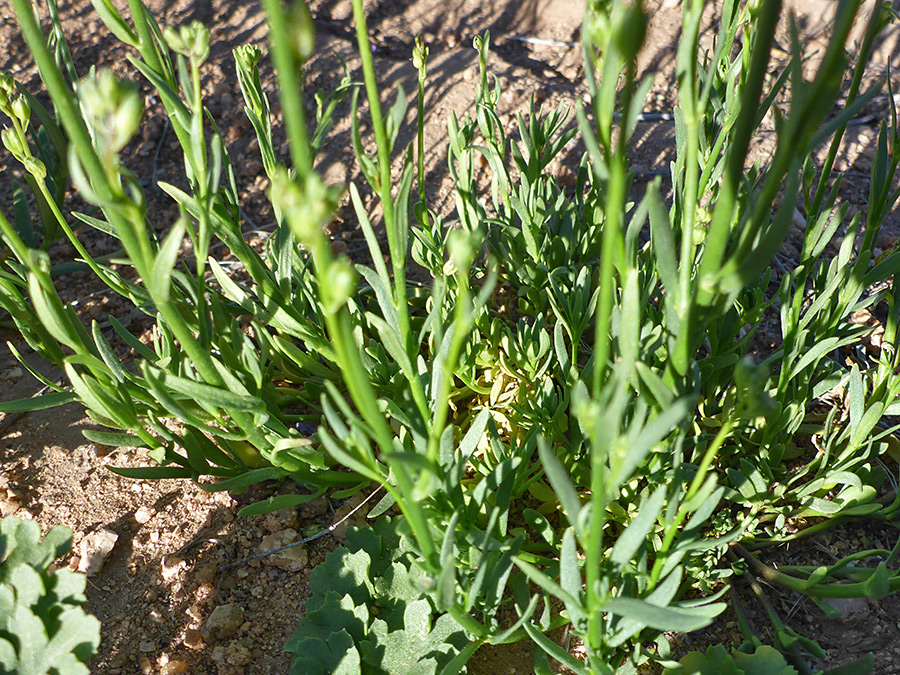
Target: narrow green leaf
159	284
152	472
38	402
678	619
635	535
560	480
277	503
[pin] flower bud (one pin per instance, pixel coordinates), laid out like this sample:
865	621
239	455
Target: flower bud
199	41
112	109
341	279
21	109
701	225
303	31
307	204
191	41
629	27
7	89
35	167
462	248
14	143
420	55
248	55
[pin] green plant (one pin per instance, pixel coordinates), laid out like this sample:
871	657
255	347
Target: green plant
763	660
571	420
366	613
43	628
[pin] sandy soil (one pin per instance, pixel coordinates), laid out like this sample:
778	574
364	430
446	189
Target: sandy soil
165	576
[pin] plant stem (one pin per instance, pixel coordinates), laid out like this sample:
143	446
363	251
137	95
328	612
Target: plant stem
398	256
288	71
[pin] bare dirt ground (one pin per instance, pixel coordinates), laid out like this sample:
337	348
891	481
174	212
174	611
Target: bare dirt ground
165	577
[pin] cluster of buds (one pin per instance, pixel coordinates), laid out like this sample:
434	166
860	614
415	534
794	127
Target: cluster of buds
112	110
620	26
307	205
420	56
191	41
247	57
14	105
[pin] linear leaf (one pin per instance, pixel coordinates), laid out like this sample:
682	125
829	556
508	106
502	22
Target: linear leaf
681	619
560	480
38	402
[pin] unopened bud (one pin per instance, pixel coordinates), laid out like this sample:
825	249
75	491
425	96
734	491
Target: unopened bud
307	204
191	41
341	279
112	109
35	167
303	31
461	249
7	89
248	55
21	109
14	143
420	55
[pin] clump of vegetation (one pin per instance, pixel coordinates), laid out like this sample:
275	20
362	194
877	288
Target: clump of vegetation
571	422
43	628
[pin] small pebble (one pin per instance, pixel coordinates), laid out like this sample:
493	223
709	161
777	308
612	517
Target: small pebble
171	566
95	549
143	515
193	639
222	623
173	668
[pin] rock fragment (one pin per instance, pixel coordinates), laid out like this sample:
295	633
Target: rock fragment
291	559
222	623
95	549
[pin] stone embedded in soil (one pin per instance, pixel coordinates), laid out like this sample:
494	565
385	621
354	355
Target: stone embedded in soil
292	559
171	566
9	505
173	668
237	655
95	549
143	515
193	639
223	622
